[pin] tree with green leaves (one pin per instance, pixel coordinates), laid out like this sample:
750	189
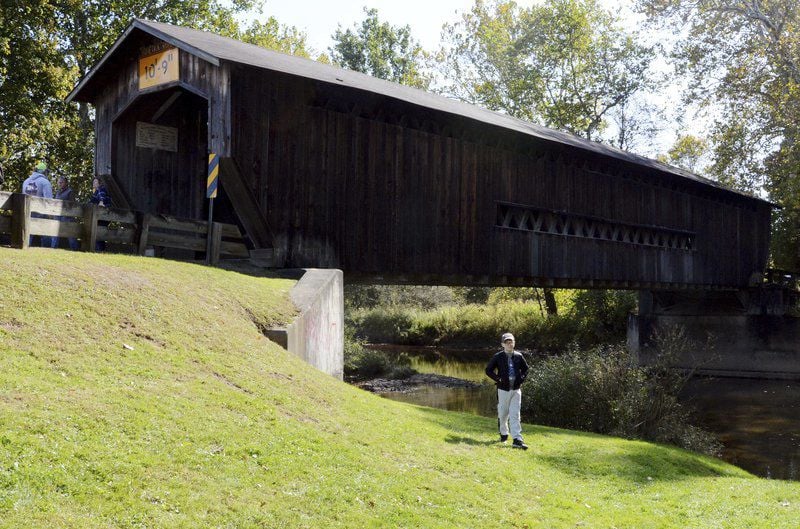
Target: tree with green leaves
687	153
379	49
742	59
565	64
273	35
34	78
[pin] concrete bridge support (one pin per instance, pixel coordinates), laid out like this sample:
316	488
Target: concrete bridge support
317	334
748	333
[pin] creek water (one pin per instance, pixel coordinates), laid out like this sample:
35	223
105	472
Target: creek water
758	421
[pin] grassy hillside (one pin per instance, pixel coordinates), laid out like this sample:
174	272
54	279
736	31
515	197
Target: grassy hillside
139	393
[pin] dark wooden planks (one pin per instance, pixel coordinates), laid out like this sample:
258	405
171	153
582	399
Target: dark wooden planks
372	185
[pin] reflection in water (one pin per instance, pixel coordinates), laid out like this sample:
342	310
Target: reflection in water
758	421
468	365
480	401
452	367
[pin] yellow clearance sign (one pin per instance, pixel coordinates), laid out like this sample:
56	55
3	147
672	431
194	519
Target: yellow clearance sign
158	68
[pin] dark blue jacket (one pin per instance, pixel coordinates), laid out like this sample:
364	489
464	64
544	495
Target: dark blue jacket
497	370
101	195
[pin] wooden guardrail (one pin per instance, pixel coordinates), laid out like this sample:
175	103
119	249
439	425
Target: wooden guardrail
23	215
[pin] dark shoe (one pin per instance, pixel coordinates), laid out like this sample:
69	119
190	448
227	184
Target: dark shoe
519	444
503	438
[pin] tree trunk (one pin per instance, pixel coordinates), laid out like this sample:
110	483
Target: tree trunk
550	302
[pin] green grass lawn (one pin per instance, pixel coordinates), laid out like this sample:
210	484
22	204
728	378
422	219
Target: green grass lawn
140	393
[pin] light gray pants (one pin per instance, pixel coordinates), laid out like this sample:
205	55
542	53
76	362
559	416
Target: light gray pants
508	405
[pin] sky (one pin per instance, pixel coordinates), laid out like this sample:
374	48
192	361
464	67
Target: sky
319	19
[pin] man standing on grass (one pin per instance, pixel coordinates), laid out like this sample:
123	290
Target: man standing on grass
508	369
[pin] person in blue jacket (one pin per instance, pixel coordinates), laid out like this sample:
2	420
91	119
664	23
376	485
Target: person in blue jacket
100	197
509	369
100	194
38	185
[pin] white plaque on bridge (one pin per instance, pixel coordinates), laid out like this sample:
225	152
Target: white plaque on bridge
152	136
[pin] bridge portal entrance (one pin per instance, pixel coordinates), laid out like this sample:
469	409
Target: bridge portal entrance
159	143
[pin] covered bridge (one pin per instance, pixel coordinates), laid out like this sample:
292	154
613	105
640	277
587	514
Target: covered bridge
335	169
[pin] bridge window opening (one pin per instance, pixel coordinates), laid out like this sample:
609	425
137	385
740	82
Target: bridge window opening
536	220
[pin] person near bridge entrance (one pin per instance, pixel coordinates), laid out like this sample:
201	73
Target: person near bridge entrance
508	369
38	185
100	197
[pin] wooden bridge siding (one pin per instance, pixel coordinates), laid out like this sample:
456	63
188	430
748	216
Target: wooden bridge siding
165	182
115	97
581	191
720	245
376	197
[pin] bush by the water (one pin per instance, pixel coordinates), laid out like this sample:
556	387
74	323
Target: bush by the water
601	390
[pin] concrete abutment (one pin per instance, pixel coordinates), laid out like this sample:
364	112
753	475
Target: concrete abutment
738	334
317	334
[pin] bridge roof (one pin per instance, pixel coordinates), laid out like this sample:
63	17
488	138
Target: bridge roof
214	48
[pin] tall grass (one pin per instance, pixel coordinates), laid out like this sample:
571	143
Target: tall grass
475	317
481	325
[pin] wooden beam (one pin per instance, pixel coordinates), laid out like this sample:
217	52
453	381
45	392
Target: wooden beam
114	235
235	249
21	223
245	205
167	222
53	206
116	215
121	199
180	242
163	108
216	243
144	232
89	238
55	228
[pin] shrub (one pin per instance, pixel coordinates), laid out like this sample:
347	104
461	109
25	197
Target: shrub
468	295
602	314
500	295
401	372
572	391
599	390
470	325
381	324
